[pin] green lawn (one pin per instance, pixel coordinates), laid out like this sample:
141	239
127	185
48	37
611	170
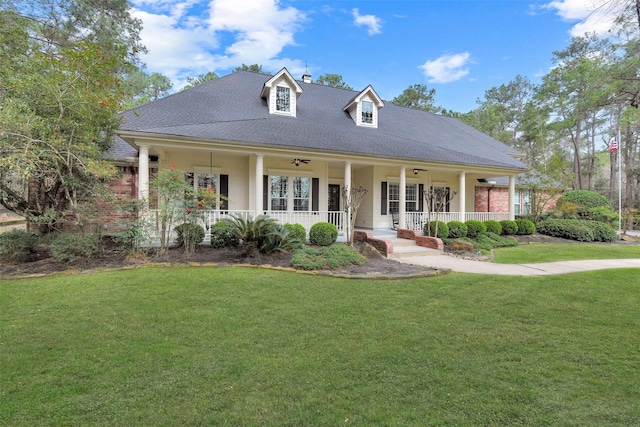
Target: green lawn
242	346
549	252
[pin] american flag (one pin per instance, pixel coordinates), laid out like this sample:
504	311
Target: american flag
614	145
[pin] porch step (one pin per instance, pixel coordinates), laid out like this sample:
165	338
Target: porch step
406	248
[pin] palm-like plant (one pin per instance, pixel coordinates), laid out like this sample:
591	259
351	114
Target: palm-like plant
252	232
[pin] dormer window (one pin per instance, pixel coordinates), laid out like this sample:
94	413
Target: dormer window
367	112
278	93
283	99
364	108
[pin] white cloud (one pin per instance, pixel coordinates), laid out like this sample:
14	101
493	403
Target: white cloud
447	68
372	22
589	15
190	37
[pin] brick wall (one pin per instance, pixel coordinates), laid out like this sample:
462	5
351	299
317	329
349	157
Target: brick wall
491	199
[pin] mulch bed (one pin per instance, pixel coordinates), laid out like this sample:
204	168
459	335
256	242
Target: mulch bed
42	262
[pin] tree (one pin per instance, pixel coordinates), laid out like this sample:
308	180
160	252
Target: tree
576	89
254	68
202	78
417	96
437	198
142	88
60	98
333	80
352	198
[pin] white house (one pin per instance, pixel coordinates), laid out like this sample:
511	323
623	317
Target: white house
287	148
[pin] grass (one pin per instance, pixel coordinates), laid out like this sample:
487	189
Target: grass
549	252
241	346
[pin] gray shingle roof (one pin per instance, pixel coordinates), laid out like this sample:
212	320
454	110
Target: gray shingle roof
230	109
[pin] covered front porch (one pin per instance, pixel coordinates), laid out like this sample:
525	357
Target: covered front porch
310	188
413	220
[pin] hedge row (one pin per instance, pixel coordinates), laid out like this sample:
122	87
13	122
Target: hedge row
473	228
580	230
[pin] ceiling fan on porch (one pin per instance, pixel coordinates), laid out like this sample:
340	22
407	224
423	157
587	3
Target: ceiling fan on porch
298	161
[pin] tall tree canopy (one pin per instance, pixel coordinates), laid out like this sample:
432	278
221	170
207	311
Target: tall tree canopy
202	78
333	80
61	63
417	96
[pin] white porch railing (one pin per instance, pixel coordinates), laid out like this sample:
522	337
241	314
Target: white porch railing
416	220
306	219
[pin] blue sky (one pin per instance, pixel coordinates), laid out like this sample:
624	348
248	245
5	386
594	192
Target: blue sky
459	48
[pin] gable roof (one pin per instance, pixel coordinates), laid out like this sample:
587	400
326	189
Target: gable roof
231	109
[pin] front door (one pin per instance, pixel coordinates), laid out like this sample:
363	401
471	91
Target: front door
334	204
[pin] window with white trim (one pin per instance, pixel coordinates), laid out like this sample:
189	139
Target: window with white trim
411	197
281	198
301	193
367	112
283	99
522	202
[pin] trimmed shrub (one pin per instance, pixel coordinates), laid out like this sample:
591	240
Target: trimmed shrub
573	229
16	245
525	227
457	229
73	247
602	232
585	200
509	227
334	256
430	229
323	234
297	231
474	228
493	226
222	235
188	232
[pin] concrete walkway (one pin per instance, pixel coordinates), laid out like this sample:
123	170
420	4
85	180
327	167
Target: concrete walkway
540	269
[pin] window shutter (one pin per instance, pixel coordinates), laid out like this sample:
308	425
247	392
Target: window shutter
383	199
421	195
265	192
315	196
224	191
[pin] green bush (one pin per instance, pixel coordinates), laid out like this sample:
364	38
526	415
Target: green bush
602	232
323	234
493	226
222	235
430	229
326	257
525	227
509	227
474	228
16	245
73	247
584	200
457	229
252	233
297	231
189	233
602	214
573	229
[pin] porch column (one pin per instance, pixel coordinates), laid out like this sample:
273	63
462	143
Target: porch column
512	197
143	173
463	196
347	186
402	221
258	184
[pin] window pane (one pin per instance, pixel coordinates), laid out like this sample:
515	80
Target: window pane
367	112
283	100
206	180
301	186
279	193
411	197
393	197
